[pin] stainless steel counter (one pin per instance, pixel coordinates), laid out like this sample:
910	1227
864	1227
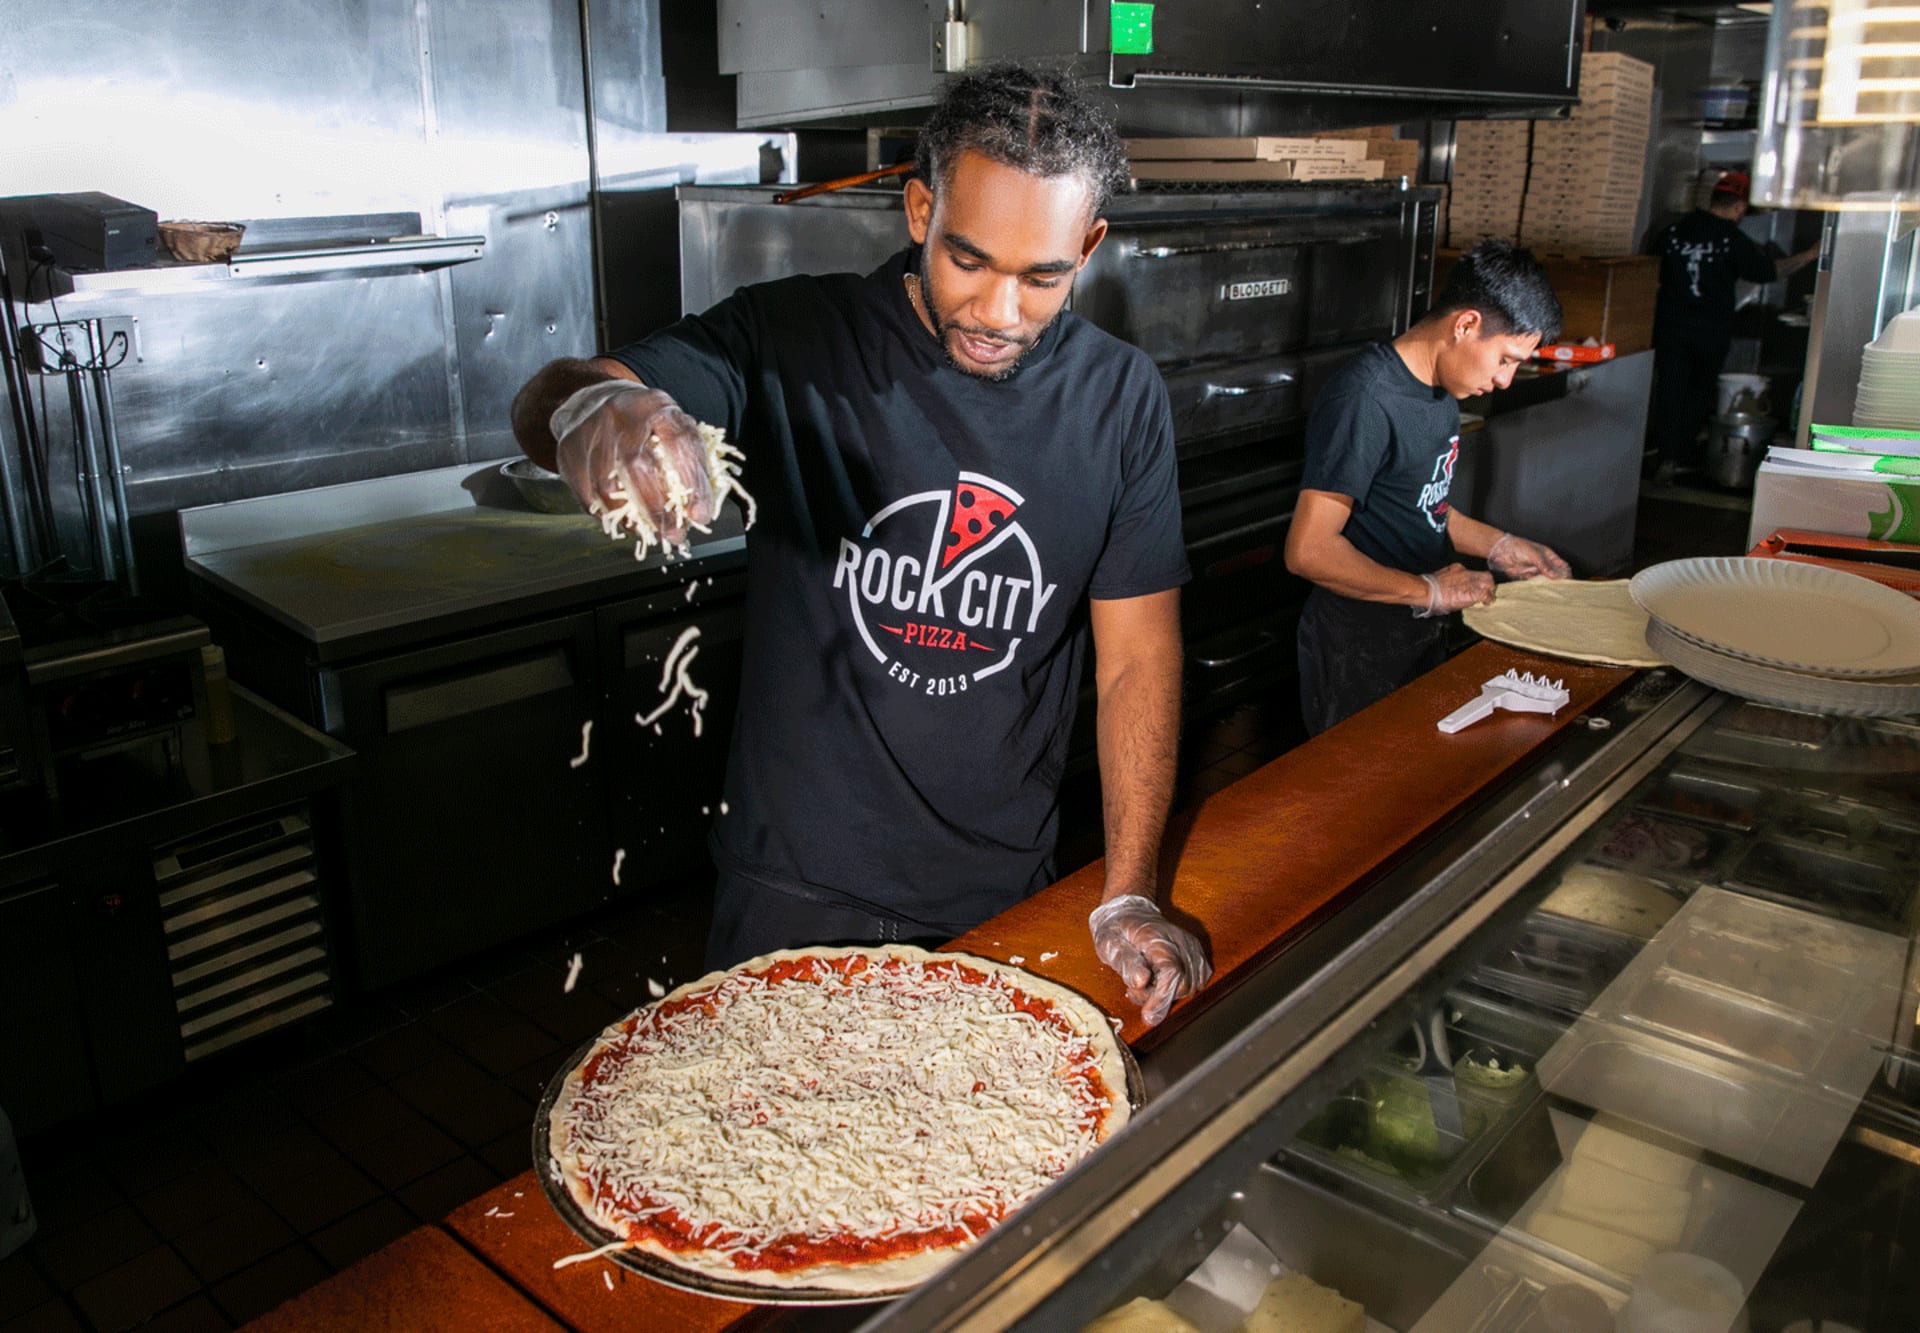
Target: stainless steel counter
378	565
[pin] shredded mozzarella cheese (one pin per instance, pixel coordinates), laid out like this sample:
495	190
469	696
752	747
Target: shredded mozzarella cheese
586	735
898	1100
573	975
674	672
627	518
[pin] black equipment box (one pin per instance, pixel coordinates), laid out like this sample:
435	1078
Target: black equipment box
85	231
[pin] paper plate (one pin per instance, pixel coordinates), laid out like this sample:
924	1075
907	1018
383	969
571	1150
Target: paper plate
1785	614
1884	696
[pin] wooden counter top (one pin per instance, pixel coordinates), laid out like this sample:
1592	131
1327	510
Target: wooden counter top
1250	867
1253	864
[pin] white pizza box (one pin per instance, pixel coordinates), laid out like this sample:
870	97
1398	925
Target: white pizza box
1787	494
1260	148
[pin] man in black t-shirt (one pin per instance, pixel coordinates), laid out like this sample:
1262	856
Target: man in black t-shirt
956	481
1702	257
1374	529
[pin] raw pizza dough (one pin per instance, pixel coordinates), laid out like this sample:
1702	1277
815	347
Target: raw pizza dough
807	1103
1586	620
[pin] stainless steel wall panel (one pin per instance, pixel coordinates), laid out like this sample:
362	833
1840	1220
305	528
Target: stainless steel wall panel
763	37
469	114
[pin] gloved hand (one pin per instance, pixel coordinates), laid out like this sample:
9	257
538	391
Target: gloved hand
618	440
1157	960
1514	557
1454	588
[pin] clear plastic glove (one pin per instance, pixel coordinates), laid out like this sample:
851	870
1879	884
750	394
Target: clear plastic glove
1514	557
1157	960
619	440
1454	589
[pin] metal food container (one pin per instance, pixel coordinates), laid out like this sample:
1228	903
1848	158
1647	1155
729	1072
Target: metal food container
1857	884
1706	796
1726	1022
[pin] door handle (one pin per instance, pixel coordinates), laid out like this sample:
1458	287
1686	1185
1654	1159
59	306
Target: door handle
1262	641
1279	380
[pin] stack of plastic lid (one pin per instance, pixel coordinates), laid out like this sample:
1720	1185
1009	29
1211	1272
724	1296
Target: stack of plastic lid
1889	394
1785	633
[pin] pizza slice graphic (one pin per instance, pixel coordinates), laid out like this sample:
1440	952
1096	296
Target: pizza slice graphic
979	510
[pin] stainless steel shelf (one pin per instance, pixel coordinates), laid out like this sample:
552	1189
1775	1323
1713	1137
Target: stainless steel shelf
411	253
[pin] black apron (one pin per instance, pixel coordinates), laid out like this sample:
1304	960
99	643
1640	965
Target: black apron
1353	654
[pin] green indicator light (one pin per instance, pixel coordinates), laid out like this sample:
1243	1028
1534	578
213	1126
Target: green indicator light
1132	29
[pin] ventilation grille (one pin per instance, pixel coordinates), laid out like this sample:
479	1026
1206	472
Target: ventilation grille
245	930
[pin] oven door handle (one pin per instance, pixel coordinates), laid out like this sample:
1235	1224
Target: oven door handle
1279	379
1295	241
1262	641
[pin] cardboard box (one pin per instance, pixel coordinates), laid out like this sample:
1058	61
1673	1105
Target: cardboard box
1609	300
1397	157
1200	170
1368	132
1262	148
1849	504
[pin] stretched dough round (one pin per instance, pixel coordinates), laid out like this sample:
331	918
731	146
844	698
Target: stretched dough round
1588	621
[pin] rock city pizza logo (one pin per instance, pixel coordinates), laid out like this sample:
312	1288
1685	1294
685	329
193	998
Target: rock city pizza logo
1433	495
945	585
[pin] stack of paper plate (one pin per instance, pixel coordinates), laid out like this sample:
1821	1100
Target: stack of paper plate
1889	392
1781	632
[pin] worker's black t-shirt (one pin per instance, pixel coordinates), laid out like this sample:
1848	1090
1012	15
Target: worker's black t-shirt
917	583
1701	257
1379	435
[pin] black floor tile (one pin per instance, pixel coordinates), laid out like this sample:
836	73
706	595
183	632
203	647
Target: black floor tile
202	1194
404	1050
445	1188
231	1241
135	1291
53	1317
65	1199
370	1114
359	1234
147	1162
322	1196
246	1112
412	1150
21	1288
273	1281
325	1082
470	1022
514	1045
470	1105
269	1159
510	1154
94	1246
198	1315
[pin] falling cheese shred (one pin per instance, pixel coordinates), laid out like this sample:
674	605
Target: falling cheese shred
628	519
896	1101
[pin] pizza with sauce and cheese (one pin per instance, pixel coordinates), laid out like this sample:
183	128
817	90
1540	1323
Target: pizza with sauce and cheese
840	1120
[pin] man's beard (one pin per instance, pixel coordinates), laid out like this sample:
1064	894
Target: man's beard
941	328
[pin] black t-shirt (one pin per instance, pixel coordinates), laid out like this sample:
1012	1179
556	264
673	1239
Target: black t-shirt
1701	257
1379	435
917	583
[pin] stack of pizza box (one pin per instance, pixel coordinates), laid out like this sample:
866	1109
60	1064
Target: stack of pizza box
1585	176
1254	158
1398	157
1489	180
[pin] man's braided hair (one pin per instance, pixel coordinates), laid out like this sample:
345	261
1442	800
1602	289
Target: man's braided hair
1037	121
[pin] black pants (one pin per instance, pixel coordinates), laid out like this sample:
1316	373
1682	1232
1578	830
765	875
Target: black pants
1686	379
752	917
1356	653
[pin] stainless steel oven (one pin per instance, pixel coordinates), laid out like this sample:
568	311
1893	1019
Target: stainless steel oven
1246	299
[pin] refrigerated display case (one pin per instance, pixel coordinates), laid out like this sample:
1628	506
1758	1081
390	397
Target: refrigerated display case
1629	1045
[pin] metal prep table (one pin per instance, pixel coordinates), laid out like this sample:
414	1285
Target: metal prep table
459	642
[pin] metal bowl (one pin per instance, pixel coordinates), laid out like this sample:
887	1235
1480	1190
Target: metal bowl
544	491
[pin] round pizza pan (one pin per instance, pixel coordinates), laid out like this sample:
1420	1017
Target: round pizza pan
685	1279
